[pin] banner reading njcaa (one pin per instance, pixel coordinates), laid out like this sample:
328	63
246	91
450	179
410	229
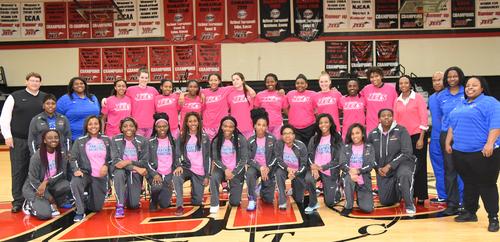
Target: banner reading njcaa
275	20
308	19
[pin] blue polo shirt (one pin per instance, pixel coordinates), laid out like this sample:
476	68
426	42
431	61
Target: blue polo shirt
77	110
435	115
448	102
472	121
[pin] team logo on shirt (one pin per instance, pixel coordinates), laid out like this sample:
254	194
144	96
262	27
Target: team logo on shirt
240	99
122	107
164	150
301	99
227	150
290	158
326	101
377	97
165	102
270	99
96	147
213	99
323	149
192	105
143	96
353	105
191	148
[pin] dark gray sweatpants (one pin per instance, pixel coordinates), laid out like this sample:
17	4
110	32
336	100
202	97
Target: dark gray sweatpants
298	187
197	187
267	187
128	186
162	194
235	187
40	206
331	192
364	194
97	187
398	184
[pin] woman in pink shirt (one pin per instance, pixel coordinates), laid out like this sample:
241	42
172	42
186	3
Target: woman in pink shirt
118	106
240	104
300	103
378	95
143	104
353	106
216	106
190	101
410	111
168	102
273	102
327	100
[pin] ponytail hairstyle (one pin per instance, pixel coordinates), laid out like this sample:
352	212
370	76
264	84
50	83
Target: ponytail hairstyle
239	74
43	153
185	132
220	137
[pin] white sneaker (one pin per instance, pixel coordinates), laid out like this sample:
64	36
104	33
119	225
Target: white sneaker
282	206
54	211
311	209
411	211
26	207
214	209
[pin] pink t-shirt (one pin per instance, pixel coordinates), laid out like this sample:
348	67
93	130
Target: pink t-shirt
260	153
96	152
290	158
169	105
354	112
216	106
240	107
195	156
377	99
190	105
164	154
52	167
116	109
273	102
323	154
301	112
130	153
329	102
228	154
356	161
143	105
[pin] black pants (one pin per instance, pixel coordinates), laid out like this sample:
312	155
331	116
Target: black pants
305	134
20	160
450	175
480	175
420	186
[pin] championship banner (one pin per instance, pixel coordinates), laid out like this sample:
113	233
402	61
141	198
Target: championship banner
209	61
411	20
56	20
336	58
90	64
386	14
488	14
10	14
135	59
113	64
79	27
179	19
361	15
149	18
440	19
308	19
32	20
160	59
184	62
335	15
101	22
242	24
126	25
463	13
361	57
275	20
387	57
210	19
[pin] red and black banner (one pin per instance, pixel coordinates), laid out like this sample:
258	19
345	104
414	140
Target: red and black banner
135	59
210	19
178	16
126	24
242	24
336	58
113	66
387	57
32	20
10	20
361	57
209	61
308	19
101	21
414	20
275	20
184	62
463	13
56	20
160	59
90	64
149	18
386	14
79	27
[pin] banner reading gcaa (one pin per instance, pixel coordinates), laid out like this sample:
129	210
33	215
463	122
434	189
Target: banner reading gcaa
32	20
126	25
242	20
275	20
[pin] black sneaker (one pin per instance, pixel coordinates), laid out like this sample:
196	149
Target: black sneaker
437	200
345	212
466	216
450	211
493	226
